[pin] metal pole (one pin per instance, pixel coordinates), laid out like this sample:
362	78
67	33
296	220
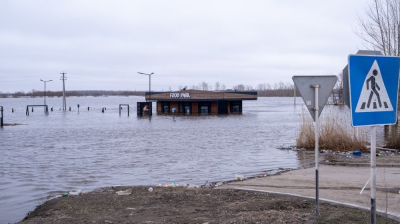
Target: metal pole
373	176
45	92
1	119
150	86
149	82
64	100
294	93
316	150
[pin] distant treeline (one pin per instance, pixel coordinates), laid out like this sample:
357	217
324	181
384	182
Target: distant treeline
277	92
95	93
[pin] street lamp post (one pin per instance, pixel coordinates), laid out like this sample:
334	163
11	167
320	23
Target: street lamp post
45	89
149	82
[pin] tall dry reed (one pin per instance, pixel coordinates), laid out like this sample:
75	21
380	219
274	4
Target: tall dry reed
336	134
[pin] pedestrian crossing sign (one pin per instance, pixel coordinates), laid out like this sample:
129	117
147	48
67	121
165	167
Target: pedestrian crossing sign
374	84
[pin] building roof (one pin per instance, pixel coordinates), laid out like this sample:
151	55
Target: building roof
201	95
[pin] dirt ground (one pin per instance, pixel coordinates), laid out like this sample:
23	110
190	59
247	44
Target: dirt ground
189	205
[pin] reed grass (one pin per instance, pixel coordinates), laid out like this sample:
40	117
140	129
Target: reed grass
336	134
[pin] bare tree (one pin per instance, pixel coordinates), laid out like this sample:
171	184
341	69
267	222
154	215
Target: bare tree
217	86
380	27
337	92
239	87
223	87
290	85
248	87
203	86
261	87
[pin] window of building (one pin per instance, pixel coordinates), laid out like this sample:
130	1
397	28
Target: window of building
235	108
166	109
204	109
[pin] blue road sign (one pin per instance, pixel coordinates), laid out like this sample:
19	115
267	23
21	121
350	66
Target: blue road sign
374	84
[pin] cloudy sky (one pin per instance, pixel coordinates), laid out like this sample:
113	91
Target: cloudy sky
102	45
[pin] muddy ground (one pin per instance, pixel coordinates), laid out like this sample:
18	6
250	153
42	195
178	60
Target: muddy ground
189	205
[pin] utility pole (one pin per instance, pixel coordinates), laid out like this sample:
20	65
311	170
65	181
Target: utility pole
63	78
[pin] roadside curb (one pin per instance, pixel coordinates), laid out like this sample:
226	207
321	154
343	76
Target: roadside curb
358	164
379	212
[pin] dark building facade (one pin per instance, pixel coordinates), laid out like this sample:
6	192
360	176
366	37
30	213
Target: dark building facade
200	102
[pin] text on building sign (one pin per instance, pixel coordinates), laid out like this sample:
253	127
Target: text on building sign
177	95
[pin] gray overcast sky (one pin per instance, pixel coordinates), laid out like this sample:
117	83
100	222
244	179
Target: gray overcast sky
101	45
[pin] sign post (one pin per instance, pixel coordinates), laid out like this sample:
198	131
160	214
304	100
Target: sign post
319	88
374	84
316	150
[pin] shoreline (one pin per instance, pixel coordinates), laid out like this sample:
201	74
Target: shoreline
227	188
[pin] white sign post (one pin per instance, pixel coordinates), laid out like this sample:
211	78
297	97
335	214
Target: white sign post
374	84
309	87
316	150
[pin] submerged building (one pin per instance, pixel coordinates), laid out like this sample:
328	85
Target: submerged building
200	102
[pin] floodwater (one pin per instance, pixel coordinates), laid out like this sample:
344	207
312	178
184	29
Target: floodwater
63	151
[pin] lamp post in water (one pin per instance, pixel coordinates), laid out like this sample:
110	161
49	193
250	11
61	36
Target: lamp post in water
45	89
149	82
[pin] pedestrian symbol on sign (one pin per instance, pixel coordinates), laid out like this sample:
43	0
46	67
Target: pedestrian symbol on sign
374	97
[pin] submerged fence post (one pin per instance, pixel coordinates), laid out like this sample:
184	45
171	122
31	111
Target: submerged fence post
1	118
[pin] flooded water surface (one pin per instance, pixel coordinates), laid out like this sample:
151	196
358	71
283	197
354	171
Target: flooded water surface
63	151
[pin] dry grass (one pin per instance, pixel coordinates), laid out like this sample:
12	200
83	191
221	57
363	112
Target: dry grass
336	134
